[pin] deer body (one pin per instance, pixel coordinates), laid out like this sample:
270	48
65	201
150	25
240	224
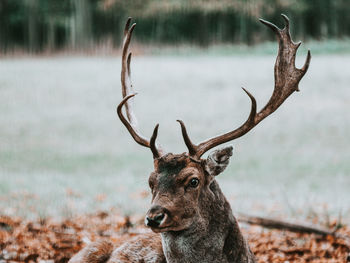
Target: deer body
215	237
197	226
191	219
211	236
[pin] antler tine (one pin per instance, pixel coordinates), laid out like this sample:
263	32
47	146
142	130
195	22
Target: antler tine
192	148
286	20
153	145
127	25
270	25
130	121
243	129
307	63
287	78
129	89
128	61
137	137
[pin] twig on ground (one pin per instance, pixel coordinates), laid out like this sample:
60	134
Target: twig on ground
285	225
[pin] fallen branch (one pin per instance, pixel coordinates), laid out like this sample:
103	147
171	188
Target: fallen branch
285	225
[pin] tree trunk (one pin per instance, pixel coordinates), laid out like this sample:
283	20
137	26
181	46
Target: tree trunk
81	24
51	36
32	25
3	28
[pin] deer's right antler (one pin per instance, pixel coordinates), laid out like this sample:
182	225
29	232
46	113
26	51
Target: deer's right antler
130	120
287	78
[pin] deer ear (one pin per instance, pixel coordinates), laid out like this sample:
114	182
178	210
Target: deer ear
218	160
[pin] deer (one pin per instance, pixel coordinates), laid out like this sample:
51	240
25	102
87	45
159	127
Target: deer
190	218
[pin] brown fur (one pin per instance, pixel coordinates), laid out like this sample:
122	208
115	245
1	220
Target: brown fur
97	252
140	249
145	248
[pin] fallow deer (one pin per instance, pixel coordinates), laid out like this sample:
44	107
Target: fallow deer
190	217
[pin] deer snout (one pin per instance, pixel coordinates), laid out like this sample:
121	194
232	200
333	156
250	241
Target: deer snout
155	216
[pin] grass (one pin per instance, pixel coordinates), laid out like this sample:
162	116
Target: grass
63	150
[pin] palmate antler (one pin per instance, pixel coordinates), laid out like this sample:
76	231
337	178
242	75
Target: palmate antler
130	121
287	78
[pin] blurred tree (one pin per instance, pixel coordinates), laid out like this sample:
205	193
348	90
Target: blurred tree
81	24
37	25
32	7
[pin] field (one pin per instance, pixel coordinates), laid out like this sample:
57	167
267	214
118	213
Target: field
64	152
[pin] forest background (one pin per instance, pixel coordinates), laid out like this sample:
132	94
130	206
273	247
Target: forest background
49	25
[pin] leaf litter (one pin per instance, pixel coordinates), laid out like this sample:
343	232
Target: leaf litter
56	241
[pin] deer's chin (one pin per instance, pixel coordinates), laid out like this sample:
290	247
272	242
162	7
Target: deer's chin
161	229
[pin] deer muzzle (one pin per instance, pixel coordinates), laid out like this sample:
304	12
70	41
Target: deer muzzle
156	217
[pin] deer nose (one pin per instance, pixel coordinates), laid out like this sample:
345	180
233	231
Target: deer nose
155	216
154	221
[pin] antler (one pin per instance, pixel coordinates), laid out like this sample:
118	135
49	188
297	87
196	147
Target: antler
128	93
287	78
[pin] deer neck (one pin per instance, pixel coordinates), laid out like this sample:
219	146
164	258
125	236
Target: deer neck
213	237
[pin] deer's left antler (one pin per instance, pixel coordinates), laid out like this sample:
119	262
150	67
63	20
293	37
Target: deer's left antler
128	93
287	78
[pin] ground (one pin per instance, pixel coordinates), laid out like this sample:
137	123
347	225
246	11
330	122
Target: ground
49	241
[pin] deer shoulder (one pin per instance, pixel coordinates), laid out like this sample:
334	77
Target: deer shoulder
140	249
143	248
96	252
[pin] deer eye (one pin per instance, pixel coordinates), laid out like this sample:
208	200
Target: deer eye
194	182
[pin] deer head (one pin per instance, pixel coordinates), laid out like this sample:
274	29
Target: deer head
181	183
